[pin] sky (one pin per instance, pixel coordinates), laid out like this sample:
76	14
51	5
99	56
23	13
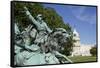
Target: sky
81	18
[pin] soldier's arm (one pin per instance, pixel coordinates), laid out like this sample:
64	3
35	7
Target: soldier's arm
31	17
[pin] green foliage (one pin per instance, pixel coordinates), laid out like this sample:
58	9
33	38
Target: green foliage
93	51
51	17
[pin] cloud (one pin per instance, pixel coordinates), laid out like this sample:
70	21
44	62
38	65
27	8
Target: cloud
83	13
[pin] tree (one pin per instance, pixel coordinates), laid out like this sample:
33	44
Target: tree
93	51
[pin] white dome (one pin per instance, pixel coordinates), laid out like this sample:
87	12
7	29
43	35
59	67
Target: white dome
76	33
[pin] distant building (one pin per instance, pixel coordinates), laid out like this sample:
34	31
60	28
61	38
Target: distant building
78	48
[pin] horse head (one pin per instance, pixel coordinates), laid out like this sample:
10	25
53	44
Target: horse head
57	38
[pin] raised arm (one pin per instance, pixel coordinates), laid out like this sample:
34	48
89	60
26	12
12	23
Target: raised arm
31	17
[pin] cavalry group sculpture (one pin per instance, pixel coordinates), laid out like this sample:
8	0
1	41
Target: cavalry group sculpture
39	45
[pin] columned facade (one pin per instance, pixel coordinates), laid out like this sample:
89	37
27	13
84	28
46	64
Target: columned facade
78	48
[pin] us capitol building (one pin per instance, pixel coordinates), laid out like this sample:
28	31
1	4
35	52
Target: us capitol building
78	48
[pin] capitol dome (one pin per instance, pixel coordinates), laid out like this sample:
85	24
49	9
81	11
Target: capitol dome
76	35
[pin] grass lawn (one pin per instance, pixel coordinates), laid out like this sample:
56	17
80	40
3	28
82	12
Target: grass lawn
83	59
